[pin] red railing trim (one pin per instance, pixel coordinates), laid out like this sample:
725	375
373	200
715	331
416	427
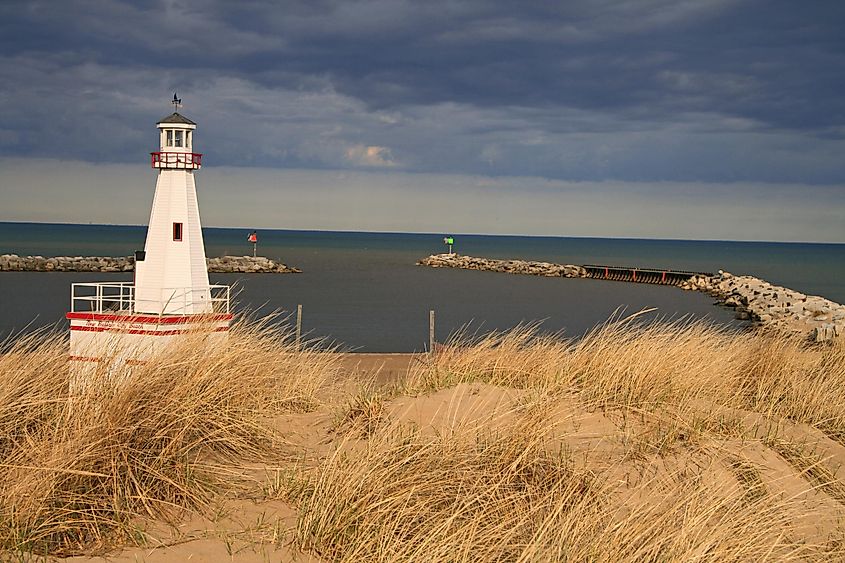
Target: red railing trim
194	160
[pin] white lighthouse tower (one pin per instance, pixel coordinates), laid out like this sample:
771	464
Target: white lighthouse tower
173	277
171	294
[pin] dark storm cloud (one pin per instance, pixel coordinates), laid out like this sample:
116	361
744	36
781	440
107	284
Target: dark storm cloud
702	90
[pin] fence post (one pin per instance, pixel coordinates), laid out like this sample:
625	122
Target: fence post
431	331
298	326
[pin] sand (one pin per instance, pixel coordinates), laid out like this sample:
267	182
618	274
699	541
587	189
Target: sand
382	368
252	527
251	530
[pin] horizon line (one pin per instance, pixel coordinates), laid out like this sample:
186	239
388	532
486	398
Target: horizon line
435	233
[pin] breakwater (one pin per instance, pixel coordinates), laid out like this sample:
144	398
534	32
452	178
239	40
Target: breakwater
753	299
523	267
772	305
549	269
218	265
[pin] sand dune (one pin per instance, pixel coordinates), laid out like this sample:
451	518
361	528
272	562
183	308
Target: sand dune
658	442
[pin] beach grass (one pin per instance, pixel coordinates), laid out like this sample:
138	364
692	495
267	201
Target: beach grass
156	440
658	441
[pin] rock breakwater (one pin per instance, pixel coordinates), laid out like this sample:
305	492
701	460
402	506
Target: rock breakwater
220	265
506	266
248	265
774	306
754	299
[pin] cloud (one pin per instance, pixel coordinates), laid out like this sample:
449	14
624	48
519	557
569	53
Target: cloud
369	155
587	90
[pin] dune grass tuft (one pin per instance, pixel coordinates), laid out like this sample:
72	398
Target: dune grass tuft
472	494
656	365
458	496
684	398
77	469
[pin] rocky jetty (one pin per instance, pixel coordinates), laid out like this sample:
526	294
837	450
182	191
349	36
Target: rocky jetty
754	299
249	265
774	306
15	263
507	266
223	264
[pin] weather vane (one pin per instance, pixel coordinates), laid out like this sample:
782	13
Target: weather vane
176	102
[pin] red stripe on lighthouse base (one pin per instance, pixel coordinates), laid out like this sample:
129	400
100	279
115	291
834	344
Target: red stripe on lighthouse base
149	332
150	319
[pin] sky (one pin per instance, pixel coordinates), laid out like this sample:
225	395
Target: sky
689	119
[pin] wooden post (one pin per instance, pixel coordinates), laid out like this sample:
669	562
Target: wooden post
431	331
298	326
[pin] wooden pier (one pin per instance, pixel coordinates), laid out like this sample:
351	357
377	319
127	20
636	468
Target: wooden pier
640	275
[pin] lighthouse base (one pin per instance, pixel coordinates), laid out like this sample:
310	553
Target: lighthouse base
116	340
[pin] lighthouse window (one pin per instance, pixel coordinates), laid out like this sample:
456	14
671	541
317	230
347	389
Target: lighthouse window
177	231
178	138
170	137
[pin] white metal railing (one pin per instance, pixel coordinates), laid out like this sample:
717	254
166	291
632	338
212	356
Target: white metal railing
119	298
183	300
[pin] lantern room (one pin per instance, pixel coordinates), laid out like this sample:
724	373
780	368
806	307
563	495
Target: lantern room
176	142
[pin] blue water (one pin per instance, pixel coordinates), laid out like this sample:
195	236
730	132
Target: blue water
363	289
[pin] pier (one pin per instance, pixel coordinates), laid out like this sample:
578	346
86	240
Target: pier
612	273
640	275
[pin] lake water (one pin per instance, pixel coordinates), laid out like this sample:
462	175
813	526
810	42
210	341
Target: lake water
364	290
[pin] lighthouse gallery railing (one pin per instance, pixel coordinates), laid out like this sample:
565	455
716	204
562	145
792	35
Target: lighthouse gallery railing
119	297
179	160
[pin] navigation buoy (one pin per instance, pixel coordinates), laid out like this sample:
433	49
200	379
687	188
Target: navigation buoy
253	238
450	241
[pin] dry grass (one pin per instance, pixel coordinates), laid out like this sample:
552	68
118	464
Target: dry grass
452	497
684	399
811	465
658	366
362	414
78	469
639	442
472	495
749	477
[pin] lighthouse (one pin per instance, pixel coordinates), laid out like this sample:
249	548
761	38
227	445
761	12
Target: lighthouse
171	294
172	278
